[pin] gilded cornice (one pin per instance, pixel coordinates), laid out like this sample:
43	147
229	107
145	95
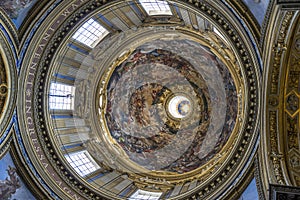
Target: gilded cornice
289	4
5	145
35	74
280	118
34	18
265	25
258	177
274	5
241	184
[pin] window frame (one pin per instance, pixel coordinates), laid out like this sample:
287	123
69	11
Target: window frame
163	7
86	171
90	33
62	98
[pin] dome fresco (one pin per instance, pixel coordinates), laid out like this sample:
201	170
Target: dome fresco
137	105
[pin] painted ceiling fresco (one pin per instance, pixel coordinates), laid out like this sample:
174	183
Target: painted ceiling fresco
17	10
137	112
258	8
11	186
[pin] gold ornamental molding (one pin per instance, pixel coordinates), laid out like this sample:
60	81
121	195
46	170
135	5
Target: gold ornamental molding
291	113
279	148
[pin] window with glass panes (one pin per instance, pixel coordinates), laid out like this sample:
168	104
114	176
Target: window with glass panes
61	96
90	33
156	7
142	194
82	162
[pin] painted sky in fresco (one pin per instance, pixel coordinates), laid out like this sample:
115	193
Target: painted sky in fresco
251	192
258	8
17	10
22	192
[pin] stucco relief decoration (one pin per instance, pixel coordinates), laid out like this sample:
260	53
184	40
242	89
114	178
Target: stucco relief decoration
292	110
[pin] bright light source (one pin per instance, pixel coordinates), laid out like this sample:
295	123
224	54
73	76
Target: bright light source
61	96
156	7
82	162
90	33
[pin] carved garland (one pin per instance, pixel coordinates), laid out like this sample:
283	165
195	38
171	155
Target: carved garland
250	122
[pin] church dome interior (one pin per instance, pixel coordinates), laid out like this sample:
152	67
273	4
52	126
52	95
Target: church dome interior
149	99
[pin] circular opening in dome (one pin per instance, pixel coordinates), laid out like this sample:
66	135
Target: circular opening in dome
179	107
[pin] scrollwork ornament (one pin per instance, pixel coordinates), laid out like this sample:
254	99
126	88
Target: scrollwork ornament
275	157
278	49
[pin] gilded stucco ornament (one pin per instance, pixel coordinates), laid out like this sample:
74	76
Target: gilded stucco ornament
282	103
291	108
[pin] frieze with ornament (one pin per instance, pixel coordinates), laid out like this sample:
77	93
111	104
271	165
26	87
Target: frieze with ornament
274	139
292	109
